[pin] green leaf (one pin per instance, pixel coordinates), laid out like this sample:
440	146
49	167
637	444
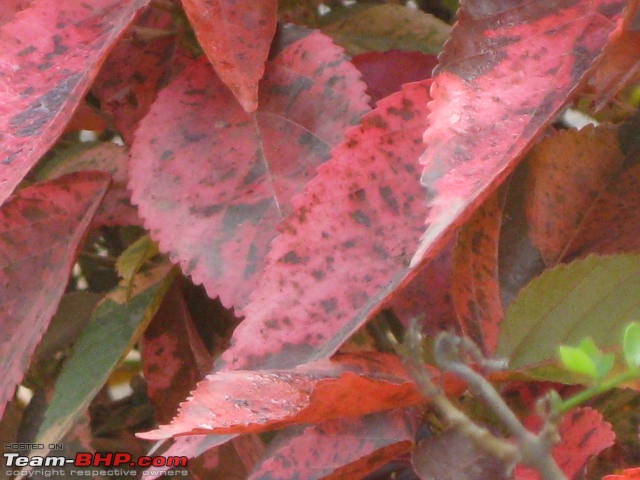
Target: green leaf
577	361
631	345
594	297
109	335
603	362
131	260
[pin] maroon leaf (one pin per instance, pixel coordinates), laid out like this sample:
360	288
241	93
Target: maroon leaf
136	69
43	77
213	183
345	247
174	358
504	74
236	36
252	401
406	67
338	449
476	288
40	230
584	434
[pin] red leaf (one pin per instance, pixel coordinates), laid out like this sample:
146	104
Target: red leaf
566	174
406	67
346	246
116	208
236	36
476	289
43	77
503	76
40	230
627	474
136	69
584	434
338	449
174	358
244	401
213	183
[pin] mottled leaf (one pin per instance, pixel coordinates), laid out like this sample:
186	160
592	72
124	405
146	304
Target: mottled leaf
475	285
137	67
43	77
505	73
236	36
454	456
338	449
365	28
568	303
346	246
114	328
173	356
566	174
41	228
213	183
583	434
406	67
116	208
251	401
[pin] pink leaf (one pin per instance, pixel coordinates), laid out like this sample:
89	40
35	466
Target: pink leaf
236	36
345	247
503	76
40	230
44	76
252	401
213	183
338	449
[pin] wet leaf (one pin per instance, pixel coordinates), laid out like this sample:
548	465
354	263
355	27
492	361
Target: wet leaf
244	401
43	77
568	303
41	228
338	449
236	36
317	290
213	183
505	73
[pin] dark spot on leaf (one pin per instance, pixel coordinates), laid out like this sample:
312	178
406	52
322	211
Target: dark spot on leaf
26	51
292	258
31	121
240	213
402	113
360	217
359	195
375	121
386	193
349	244
206	211
252	262
317	274
329	304
166	155
257	171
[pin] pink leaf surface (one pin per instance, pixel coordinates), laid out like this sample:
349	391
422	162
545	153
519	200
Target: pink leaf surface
254	401
338	449
40	230
505	73
345	247
44	76
584	433
236	36
213	183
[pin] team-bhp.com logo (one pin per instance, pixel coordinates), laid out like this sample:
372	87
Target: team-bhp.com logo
92	464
